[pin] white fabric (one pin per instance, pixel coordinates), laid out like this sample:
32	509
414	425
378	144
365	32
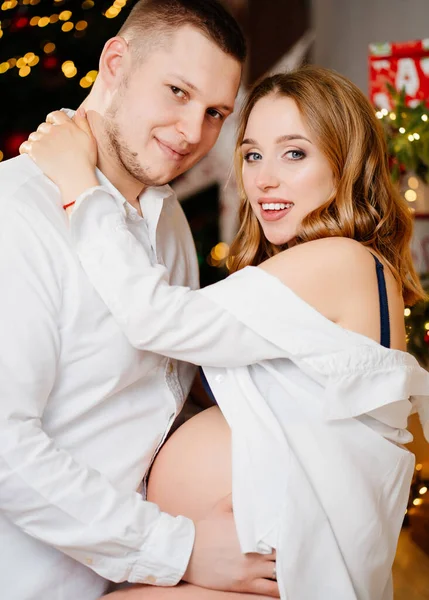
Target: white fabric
82	412
318	472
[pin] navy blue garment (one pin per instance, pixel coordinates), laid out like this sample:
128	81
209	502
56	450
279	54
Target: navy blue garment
384	305
384	320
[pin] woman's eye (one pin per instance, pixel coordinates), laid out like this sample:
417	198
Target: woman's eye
252	156
295	154
177	91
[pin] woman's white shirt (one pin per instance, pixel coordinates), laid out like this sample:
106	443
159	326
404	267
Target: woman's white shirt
319	469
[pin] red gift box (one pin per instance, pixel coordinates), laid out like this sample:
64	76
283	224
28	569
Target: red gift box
403	65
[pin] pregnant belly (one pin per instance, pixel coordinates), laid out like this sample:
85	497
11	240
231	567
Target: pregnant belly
193	469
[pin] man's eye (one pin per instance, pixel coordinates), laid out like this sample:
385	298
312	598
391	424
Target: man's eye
177	91
215	114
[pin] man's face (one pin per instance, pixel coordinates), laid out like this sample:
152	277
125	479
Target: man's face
167	114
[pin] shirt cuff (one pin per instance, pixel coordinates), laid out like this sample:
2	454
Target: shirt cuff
166	552
87	194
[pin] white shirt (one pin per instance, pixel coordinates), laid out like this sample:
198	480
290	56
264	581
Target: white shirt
82	412
319	470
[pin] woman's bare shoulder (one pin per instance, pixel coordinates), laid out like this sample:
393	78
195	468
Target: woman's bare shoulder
324	273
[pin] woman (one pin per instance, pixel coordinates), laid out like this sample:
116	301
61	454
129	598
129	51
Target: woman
318	467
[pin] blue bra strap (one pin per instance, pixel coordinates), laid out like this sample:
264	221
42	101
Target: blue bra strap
384	305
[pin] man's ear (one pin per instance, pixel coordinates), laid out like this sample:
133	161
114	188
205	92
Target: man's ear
113	61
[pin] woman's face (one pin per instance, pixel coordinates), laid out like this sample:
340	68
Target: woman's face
285	175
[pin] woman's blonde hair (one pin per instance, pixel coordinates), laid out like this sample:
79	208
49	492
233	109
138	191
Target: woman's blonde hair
365	205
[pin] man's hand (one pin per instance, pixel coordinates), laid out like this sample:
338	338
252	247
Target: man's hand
217	562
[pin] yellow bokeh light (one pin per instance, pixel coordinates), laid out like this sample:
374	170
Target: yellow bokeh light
119	3
65	15
1	155
427	326
1	33
416	136
81	25
29	56
4	66
12	62
92	76
402	130
85	83
112	12
392	116
423	490
34	61
220	251
67	26
34	21
419	467
54	18
43	22
87	4
411	137
21	62
407	312
424	117
418	501
24	71
71	73
49	48
410	195
413	183
34	2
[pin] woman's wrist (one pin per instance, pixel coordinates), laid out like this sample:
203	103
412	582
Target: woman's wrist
73	188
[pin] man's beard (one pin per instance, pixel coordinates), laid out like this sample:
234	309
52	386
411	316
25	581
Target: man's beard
126	157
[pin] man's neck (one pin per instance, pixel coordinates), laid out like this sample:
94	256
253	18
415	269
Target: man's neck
107	163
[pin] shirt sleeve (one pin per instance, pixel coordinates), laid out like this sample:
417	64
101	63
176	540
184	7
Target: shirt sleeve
171	320
44	491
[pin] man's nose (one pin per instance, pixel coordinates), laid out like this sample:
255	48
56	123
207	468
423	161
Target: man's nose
191	126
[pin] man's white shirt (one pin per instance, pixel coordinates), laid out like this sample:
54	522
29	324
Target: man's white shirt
82	413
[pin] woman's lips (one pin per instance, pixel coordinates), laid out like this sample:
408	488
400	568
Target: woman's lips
275	214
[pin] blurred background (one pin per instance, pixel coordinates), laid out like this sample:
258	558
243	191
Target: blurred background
49	53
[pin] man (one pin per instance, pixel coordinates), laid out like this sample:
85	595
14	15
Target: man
82	413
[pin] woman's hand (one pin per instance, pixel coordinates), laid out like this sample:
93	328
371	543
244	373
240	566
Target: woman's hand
66	151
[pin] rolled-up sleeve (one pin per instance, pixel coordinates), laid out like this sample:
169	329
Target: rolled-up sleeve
44	491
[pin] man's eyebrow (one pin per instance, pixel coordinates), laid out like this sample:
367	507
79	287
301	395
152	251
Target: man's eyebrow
195	89
279	140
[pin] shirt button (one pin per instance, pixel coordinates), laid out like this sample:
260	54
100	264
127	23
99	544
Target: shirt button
151	580
88	561
219	378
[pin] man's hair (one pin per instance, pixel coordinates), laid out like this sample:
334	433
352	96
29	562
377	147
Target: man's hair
150	21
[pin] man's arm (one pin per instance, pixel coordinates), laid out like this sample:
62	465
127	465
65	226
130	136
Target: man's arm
43	490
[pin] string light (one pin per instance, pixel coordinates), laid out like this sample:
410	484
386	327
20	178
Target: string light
407	312
413	183
49	48
417	501
65	15
410	195
424	117
43	21
392	116
87	4
423	490
402	130
24	71
1	155
67	26
69	69
81	25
